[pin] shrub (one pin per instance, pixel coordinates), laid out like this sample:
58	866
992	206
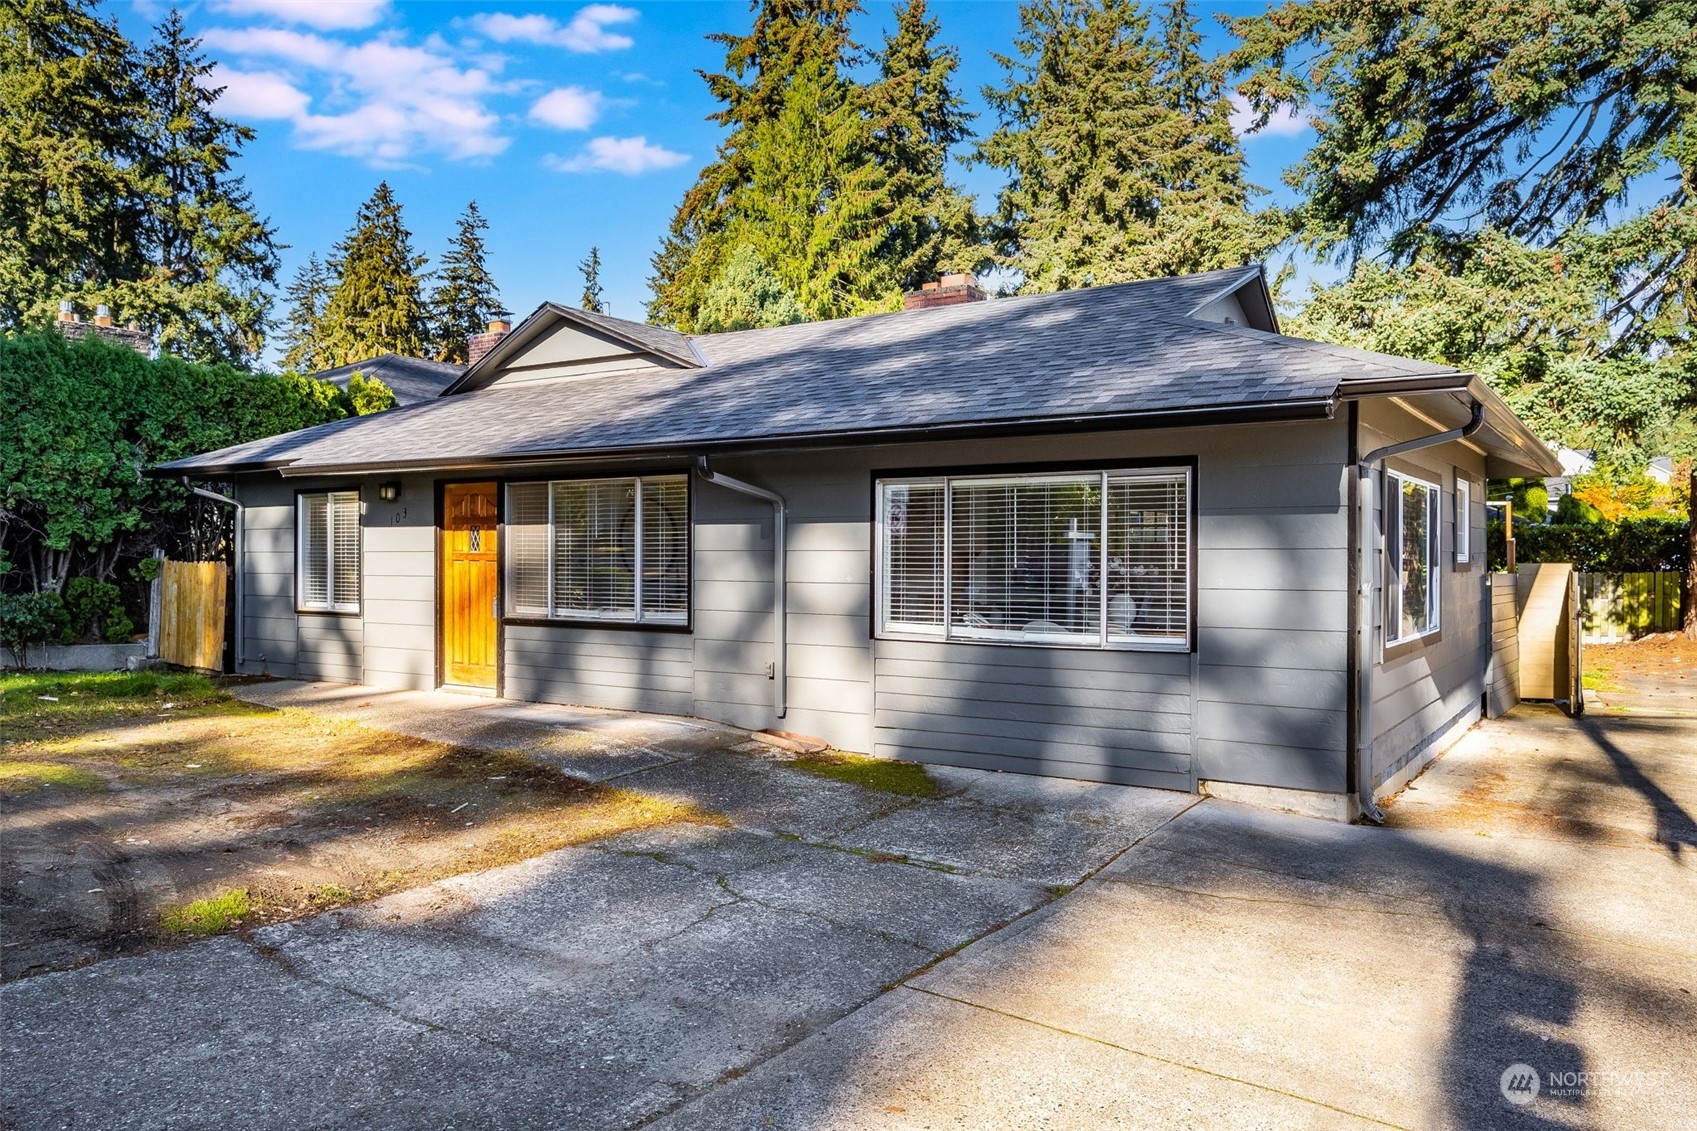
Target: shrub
1641	545
30	618
95	606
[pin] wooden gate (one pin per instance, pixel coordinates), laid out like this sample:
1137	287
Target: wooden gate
191	613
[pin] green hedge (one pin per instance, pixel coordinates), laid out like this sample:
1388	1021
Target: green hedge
1632	545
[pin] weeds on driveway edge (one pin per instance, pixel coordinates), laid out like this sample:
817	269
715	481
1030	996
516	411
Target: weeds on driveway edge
211	916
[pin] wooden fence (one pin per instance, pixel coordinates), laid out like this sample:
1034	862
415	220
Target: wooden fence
191	613
1621	606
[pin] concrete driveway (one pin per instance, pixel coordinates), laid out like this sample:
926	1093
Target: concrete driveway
1533	903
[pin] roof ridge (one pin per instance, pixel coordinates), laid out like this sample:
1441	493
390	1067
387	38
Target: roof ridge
1242	274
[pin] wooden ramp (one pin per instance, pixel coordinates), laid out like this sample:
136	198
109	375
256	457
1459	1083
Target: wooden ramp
1548	604
191	612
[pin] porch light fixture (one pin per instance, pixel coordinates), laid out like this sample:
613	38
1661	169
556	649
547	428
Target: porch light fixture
389	491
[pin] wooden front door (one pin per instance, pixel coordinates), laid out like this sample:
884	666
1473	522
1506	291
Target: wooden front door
470	585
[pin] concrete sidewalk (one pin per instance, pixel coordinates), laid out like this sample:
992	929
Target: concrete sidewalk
1534	902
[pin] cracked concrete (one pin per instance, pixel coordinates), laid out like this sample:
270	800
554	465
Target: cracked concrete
596	986
839	958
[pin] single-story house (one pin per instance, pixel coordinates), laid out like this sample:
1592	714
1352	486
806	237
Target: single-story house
411	379
1129	534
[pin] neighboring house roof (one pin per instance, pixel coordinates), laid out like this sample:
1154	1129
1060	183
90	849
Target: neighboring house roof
411	379
1115	356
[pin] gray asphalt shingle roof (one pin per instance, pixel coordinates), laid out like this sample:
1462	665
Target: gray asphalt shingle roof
1108	352
412	379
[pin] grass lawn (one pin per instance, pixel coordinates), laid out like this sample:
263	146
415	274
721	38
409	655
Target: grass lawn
137	808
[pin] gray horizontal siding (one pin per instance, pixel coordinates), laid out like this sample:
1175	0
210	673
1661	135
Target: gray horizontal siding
625	669
1105	716
1273	611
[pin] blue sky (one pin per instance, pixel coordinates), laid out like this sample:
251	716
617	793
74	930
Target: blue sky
570	124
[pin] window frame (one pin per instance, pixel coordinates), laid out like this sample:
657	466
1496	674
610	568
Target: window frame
1393	536
332	607
881	628
1463	520
639	620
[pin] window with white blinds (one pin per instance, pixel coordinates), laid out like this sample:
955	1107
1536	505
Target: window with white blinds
1084	559
599	549
327	559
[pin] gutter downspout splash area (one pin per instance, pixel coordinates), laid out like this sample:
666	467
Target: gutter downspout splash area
238	568
780	590
1371	549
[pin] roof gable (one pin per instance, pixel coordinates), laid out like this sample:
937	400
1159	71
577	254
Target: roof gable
560	343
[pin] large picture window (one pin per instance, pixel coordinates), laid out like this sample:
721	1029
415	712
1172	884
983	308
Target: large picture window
1085	559
599	549
1411	524
327	551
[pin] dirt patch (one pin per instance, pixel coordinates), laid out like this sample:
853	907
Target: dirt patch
1665	655
129	819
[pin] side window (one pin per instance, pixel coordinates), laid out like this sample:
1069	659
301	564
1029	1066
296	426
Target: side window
1411	532
1463	521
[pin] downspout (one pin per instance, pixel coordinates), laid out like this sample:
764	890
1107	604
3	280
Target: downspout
780	594
1368	547
238	566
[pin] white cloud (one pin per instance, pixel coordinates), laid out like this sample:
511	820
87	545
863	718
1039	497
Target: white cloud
567	108
326	15
257	95
628	155
586	32
383	101
1286	122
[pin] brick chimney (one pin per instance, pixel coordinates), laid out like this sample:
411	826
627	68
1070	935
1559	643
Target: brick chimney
500	325
103	315
951	290
67	310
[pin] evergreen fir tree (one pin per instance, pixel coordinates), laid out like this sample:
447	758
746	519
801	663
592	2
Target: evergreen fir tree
795	176
746	295
68	109
917	117
465	294
375	307
590	265
1121	162
115	184
206	256
307	294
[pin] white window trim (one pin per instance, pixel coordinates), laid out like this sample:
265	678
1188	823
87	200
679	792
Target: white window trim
888	630
302	603
1393	561
1463	520
637	616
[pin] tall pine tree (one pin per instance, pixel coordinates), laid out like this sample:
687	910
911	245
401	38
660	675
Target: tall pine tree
590	265
376	306
465	293
302	327
68	108
795	177
212	255
917	117
1120	158
116	184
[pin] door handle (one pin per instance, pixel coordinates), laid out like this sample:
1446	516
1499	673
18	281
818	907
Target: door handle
495	606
